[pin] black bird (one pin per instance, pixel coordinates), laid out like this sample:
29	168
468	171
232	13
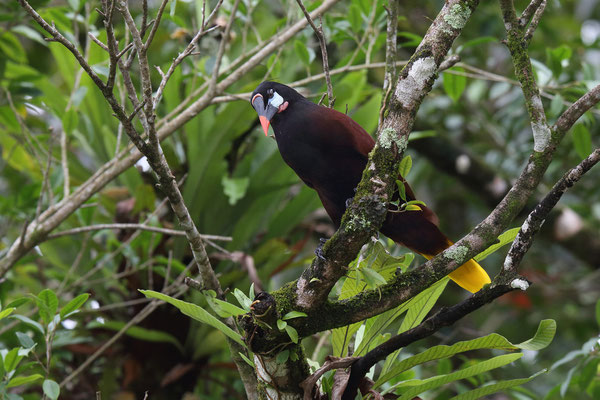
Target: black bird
329	152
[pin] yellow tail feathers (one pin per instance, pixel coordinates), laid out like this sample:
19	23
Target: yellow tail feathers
469	276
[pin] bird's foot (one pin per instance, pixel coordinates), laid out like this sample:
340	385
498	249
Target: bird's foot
319	249
349	201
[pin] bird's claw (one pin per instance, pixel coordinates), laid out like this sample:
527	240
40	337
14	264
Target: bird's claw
349	201
319	249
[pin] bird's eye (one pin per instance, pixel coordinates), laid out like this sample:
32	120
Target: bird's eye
270	92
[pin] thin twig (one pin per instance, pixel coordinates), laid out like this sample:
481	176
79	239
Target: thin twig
323	44
142	227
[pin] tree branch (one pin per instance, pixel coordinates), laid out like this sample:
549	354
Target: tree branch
323	44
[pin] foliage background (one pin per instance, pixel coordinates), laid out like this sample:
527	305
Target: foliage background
237	185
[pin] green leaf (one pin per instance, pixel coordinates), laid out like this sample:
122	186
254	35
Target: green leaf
6	312
25	340
70	120
292	333
454	85
197	313
294	314
51	389
557	58
281	324
354	18
302	52
412	207
541	339
244	300
149	335
405	166
30	322
228	308
12	359
282	356
504	239
74	305
494	388
50	304
23	380
372	277
16	303
235	188
11	48
401	189
582	140
420	386
248	361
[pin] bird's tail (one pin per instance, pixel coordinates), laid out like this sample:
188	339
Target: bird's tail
470	276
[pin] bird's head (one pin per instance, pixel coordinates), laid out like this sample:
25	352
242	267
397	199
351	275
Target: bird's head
271	98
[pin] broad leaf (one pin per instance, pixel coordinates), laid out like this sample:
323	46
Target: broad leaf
420	386
504	239
494	388
197	313
74	305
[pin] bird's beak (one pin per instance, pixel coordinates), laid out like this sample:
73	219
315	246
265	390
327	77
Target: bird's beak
264	115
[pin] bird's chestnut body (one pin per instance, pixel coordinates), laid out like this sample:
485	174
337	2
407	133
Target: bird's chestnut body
329	152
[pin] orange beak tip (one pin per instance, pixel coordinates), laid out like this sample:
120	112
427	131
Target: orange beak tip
265	124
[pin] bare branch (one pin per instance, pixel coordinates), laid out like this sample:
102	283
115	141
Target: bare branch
536	218
323	44
57	36
221	52
159	14
142	227
534	22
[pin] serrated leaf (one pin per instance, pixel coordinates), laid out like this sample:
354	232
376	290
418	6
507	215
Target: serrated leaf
197	313
51	389
454	85
23	380
302	52
294	314
582	140
292	333
494	388
504	239
420	386
25	340
405	166
281	324
74	305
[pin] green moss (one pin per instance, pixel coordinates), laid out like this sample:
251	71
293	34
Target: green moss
285	297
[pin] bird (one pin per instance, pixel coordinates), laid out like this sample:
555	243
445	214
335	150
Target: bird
328	151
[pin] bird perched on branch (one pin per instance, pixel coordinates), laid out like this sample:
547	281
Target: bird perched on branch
329	152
